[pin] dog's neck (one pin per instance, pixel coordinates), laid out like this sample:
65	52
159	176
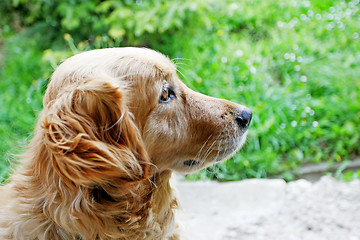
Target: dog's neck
145	210
141	210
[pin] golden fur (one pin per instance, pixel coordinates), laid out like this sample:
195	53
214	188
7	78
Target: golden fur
105	146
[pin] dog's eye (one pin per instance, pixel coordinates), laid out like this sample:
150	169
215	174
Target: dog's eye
167	95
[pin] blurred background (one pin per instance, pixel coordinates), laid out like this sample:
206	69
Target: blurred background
295	63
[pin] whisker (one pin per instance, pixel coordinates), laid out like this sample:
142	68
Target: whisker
186	59
181	63
218	151
217	156
202	147
178	65
224	151
208	152
181	73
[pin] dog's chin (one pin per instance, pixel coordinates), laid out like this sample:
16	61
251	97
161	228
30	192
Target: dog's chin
194	165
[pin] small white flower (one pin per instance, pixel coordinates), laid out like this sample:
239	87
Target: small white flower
341	26
310	13
294	21
253	70
249	62
315	124
303	17
239	53
303	78
306	3
331	25
292	57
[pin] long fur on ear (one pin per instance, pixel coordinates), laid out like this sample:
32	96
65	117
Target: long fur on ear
91	136
96	168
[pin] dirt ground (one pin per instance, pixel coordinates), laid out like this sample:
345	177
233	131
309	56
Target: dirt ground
261	209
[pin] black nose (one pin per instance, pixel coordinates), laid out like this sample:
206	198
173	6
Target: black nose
244	118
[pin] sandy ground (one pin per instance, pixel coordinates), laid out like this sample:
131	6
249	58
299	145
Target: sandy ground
261	209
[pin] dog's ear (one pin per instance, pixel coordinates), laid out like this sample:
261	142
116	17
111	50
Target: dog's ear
91	136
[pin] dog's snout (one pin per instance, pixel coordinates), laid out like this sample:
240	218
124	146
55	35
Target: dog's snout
243	119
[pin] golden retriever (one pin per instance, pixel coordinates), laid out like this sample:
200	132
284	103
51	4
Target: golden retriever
115	124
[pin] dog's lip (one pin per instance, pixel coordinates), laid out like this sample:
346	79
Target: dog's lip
191	162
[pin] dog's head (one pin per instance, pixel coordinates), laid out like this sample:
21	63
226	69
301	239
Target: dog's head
119	110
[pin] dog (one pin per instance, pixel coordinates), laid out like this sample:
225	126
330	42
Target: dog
115	124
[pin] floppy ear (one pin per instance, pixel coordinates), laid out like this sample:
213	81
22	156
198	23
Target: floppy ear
91	136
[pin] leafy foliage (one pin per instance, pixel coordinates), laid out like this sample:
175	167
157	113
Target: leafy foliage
294	63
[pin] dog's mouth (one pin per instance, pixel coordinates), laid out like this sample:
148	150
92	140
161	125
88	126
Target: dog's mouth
191	163
218	152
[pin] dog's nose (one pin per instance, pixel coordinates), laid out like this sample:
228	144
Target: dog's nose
243	119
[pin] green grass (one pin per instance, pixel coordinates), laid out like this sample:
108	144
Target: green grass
298	76
294	63
22	83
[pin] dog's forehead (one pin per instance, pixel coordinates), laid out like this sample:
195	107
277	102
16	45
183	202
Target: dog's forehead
113	62
148	56
147	63
128	59
139	57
